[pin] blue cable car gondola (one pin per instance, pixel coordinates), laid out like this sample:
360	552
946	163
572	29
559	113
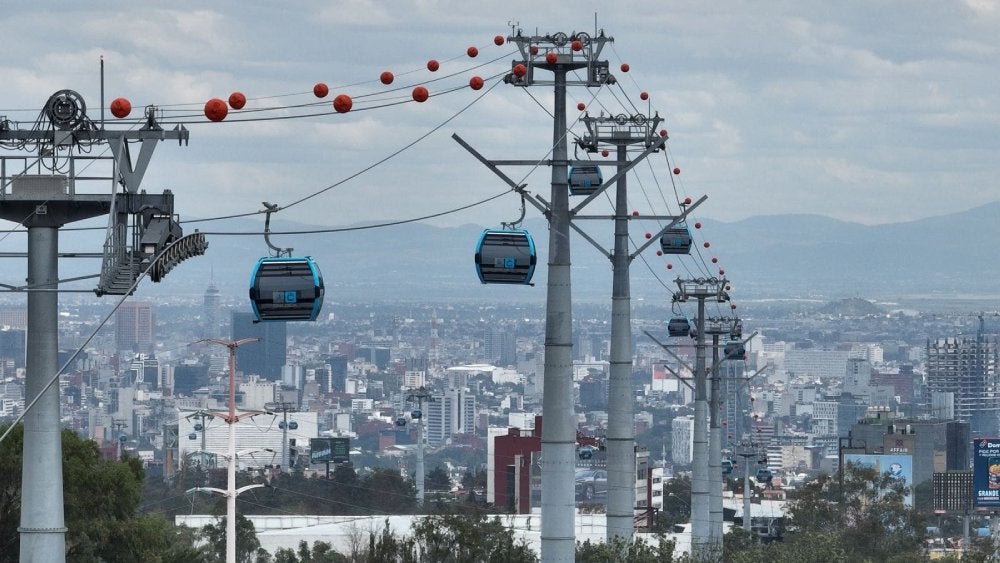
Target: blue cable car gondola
416	414
678	326
676	240
505	256
286	289
585	179
400	421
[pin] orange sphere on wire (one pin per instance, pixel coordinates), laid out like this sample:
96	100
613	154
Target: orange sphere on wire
659	253
715	260
687	200
697	225
520	70
663	132
551	57
635	213
386	77
498	40
670	266
533	49
432	65
121	107
420	94
706	245
472	52
320	90
581	106
605	152
625	67
644	96
216	109
237	100
577	45
343	103
677	170
649	235
476	82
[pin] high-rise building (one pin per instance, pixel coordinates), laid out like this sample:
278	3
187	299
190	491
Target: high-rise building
12	345
453	412
212	325
967	367
267	356
682	440
134	326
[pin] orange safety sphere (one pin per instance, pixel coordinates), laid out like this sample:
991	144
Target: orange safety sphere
644	96
733	306
216	109
551	57
677	170
635	213
722	272
706	245
121	107
729	287
659	253
476	82
697	225
715	260
649	235
670	266
577	45
605	152
433	65
342	103
625	67
687	200
472	52
420	94
533	49
237	100
581	106
498	40
386	77
663	132
520	70
320	90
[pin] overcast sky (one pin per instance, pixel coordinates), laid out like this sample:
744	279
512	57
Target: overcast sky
873	112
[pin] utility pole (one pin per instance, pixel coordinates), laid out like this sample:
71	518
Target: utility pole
43	203
284	408
420	396
746	450
704	545
716	326
621	132
231	420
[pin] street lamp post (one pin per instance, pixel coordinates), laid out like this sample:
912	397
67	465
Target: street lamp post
231	491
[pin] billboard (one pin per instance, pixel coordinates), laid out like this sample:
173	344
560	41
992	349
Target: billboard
898	466
986	472
329	450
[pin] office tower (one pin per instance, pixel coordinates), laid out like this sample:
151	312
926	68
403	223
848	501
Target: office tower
453	412
12	345
134	326
211	325
967	367
267	356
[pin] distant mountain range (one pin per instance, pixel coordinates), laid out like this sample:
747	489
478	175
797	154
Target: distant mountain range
770	256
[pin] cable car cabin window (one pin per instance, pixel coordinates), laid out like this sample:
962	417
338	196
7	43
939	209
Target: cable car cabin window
505	256
584	180
286	289
676	240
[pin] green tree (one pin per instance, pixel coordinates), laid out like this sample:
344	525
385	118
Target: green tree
101	499
454	538
635	552
676	504
247	544
437	480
